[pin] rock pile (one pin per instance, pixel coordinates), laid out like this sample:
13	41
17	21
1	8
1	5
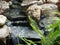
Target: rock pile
44	8
4	30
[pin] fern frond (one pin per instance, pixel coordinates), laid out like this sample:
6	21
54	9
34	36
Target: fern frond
53	36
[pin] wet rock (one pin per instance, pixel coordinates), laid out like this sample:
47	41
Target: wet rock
15	4
4	31
48	9
47	21
2	20
34	11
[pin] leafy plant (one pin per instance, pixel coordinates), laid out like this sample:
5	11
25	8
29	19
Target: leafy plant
54	33
28	42
56	13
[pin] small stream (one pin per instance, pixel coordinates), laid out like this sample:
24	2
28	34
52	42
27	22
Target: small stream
18	25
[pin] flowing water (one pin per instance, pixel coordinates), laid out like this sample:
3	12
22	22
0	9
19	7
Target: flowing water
18	25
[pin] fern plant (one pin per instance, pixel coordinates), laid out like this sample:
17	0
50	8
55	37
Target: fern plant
54	33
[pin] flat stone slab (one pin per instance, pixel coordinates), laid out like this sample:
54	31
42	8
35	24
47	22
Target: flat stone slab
24	31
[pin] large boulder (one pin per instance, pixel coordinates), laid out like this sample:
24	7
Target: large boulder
34	11
3	20
49	9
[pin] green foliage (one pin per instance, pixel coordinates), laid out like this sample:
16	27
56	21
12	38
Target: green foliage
52	34
56	13
45	40
28	42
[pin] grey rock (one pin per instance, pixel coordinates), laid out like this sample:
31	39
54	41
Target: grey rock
47	21
29	2
24	31
48	9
